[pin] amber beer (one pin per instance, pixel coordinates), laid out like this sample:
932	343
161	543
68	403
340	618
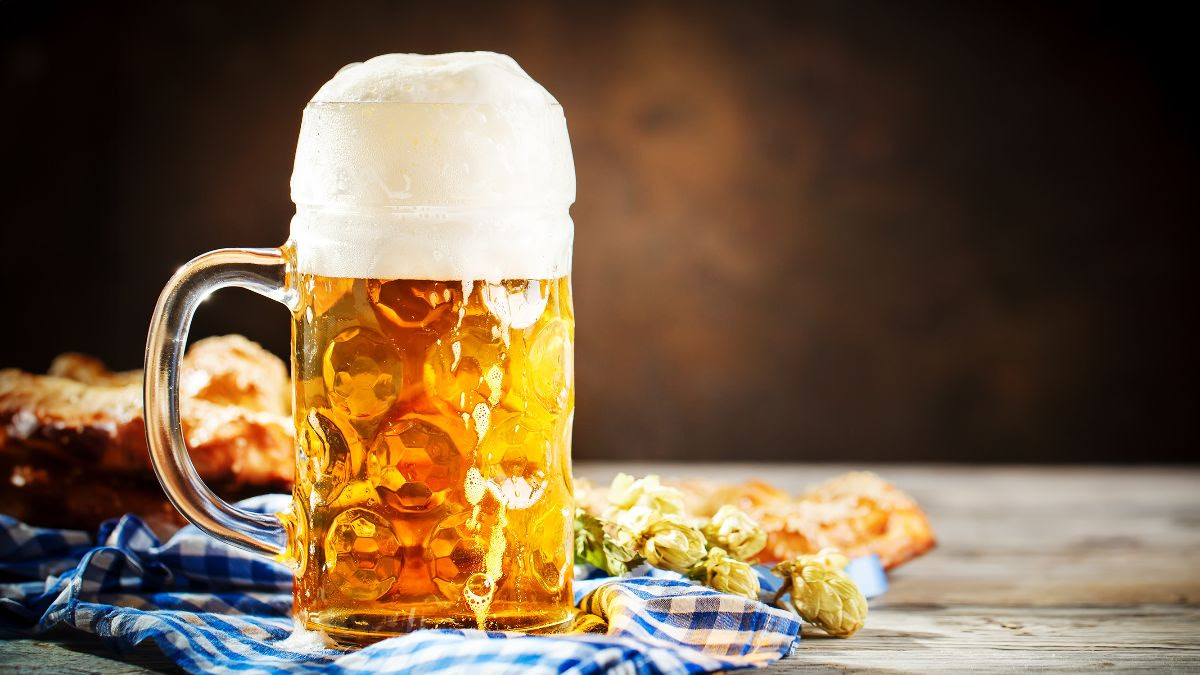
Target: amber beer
433	350
427	272
433	482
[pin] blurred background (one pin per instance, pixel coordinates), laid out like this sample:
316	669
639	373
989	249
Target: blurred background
805	231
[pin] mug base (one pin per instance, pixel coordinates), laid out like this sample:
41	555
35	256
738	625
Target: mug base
376	626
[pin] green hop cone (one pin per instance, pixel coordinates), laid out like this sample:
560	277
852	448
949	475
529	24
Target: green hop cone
822	593
594	546
632	523
668	543
731	529
724	573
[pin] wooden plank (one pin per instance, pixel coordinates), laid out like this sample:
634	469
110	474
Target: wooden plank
81	655
924	639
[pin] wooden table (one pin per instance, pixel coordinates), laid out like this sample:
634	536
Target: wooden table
1047	568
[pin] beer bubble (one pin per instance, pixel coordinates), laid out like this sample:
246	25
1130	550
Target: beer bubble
362	373
482	416
479	585
350	494
495	381
474	486
362	554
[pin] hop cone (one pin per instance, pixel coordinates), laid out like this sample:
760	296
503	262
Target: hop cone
594	546
731	529
671	544
724	573
822	593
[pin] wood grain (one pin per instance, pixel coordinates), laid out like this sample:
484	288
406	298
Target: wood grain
80	655
925	638
1048	568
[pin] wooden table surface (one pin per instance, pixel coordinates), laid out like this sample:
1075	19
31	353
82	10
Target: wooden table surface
1047	568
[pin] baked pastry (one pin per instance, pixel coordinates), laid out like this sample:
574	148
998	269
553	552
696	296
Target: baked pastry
91	370
231	370
73	445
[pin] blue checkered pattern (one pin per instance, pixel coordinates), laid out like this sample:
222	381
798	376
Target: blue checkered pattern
213	608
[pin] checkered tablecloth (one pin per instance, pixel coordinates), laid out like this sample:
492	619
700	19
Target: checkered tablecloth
214	608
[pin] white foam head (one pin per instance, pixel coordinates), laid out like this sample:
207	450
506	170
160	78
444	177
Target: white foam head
448	166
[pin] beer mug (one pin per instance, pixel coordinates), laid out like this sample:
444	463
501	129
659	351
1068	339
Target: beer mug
427	274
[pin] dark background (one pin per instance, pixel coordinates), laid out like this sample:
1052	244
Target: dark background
835	231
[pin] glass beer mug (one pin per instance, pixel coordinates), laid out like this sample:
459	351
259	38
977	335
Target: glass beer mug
427	274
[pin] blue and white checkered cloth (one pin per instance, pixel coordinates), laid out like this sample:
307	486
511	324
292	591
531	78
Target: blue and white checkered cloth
214	608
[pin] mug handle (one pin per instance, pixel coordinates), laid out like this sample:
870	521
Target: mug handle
264	271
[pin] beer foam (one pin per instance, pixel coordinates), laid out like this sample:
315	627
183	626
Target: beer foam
463	77
449	166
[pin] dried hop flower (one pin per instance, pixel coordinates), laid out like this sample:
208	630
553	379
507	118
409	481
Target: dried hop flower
594	546
626	492
731	529
668	543
633	522
822	593
727	574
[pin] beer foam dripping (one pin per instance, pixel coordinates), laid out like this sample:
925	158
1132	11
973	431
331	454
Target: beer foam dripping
480	587
305	639
452	166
